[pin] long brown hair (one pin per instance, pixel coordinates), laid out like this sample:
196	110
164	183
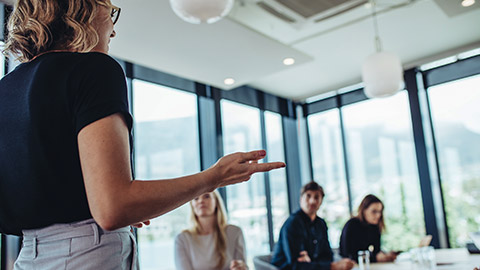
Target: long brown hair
220	237
366	202
39	26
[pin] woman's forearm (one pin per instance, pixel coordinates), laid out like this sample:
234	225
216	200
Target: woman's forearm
143	200
115	200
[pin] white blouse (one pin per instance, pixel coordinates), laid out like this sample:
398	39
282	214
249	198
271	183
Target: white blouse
199	254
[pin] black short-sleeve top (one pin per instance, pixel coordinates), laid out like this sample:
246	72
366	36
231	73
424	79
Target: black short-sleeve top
358	235
44	104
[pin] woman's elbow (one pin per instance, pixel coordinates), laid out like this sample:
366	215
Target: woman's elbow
108	225
109	218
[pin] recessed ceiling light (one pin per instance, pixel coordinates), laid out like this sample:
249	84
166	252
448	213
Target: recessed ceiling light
368	5
467	3
288	61
229	81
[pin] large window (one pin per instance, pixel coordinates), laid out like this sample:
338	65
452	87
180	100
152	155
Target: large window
382	161
455	109
166	146
246	202
2	69
278	178
329	170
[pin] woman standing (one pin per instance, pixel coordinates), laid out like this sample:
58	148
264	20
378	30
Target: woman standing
363	232
211	243
66	180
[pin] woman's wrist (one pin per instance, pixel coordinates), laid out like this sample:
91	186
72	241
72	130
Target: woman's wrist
209	180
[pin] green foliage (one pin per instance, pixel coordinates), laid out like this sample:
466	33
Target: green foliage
462	209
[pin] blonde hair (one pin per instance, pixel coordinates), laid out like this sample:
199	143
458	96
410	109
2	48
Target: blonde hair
220	237
39	26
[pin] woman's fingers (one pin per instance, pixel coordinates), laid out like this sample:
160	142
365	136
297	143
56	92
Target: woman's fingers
239	167
265	167
251	168
140	224
252	155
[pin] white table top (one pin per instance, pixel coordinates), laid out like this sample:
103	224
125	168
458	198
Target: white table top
447	259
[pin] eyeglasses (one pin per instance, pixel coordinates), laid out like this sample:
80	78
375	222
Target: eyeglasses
115	14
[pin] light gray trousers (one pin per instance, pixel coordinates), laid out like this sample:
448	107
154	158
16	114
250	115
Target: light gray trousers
79	245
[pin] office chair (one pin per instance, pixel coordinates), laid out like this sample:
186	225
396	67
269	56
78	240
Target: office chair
262	262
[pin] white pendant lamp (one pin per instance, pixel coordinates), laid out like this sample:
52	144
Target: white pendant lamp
382	72
201	11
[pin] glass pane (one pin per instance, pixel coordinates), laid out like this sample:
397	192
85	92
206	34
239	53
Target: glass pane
456	121
382	161
2	65
166	146
246	202
329	170
278	178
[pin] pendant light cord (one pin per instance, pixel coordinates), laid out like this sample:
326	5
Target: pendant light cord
378	43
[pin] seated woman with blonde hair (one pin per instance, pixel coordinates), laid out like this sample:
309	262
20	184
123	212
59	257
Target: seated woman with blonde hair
210	243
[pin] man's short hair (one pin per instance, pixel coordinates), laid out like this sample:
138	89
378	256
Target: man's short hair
312	186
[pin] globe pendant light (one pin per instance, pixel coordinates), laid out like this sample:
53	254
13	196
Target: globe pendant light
382	72
201	11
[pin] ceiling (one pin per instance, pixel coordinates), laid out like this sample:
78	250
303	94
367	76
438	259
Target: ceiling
250	44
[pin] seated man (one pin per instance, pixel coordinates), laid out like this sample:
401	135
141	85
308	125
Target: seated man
303	242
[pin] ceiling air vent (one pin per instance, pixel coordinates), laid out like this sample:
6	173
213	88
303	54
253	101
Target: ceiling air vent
275	13
309	8
300	12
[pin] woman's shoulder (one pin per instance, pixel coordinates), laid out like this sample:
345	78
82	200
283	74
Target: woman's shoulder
231	229
353	222
183	236
72	56
97	59
83	62
91	60
97	56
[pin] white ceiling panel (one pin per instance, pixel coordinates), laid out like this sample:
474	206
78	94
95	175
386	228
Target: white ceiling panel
149	33
250	44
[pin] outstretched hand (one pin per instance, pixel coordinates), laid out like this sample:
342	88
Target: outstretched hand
238	265
239	167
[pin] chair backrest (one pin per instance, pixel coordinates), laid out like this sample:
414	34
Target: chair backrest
262	262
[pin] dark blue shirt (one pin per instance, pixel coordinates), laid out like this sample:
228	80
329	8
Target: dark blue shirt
300	233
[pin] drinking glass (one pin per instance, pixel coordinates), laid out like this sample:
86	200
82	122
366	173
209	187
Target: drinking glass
364	259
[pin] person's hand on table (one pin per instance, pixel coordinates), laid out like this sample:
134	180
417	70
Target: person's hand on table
392	255
343	264
238	265
386	257
304	257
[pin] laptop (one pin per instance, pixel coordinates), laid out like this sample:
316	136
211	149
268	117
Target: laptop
474	248
425	241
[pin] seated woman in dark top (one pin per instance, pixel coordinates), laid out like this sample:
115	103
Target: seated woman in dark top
363	232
